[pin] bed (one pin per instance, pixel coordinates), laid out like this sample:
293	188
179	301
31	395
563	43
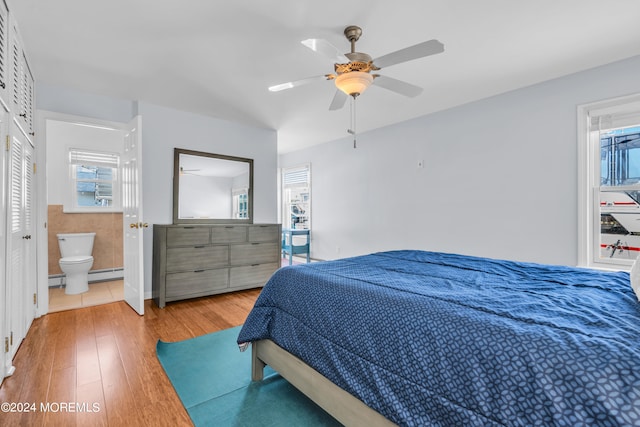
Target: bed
428	338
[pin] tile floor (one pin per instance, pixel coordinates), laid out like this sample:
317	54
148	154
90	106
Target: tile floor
99	293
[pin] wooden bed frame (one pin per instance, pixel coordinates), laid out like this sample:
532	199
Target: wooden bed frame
343	406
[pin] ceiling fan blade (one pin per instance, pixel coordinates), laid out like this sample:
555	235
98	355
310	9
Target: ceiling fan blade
419	50
301	82
338	100
327	49
398	86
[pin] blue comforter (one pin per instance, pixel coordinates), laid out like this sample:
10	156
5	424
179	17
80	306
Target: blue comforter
430	338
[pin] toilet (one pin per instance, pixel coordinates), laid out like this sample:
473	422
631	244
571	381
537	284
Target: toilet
76	260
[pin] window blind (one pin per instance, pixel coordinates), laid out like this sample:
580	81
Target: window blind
614	117
296	176
94	158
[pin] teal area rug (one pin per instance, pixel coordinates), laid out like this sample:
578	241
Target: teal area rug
213	380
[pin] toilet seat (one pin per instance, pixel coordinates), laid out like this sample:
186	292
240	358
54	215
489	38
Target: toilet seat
76	259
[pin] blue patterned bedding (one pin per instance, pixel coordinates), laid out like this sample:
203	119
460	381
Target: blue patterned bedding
429	338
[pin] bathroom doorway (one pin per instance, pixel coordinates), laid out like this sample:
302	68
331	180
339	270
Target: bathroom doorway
82	197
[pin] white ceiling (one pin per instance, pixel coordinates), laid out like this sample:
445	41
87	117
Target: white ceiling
218	58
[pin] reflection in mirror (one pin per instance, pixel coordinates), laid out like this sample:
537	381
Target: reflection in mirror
211	188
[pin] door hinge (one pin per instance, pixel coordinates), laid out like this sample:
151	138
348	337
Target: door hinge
35	298
8	142
34	168
11	340
6	344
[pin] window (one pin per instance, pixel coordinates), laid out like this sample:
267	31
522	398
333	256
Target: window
240	203
609	168
94	184
296	197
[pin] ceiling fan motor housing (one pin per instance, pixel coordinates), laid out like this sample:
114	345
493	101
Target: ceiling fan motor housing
354	77
358	62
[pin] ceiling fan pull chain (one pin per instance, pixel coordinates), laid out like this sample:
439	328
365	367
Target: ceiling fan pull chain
352	130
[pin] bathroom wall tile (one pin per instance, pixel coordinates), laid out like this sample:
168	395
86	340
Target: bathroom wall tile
55	219
107	247
118	236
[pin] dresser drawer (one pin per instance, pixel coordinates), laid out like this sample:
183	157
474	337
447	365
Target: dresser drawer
187	236
228	234
254	253
251	275
264	233
197	257
196	282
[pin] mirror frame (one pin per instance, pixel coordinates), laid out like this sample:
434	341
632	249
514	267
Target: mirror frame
176	189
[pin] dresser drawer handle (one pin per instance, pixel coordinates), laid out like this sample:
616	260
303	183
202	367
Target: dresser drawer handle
199	247
198	271
188	228
254	265
229	226
255	243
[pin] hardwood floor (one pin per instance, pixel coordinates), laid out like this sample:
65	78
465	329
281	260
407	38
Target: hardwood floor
103	359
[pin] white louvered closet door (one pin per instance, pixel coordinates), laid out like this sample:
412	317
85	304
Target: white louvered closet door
14	248
21	82
20	249
29	242
26	95
5	360
4	48
15	71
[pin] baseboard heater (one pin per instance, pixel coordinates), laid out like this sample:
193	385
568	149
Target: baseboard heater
104	275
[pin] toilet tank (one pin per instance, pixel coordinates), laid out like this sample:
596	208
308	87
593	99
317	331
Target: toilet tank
75	244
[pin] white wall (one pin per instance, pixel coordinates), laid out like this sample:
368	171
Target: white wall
205	197
163	129
499	177
64	135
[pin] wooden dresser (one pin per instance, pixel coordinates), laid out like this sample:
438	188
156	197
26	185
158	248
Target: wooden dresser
204	259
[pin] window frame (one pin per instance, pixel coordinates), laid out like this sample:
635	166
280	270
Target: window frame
589	175
285	203
71	204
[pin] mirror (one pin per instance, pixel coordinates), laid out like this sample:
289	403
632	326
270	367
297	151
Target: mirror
211	188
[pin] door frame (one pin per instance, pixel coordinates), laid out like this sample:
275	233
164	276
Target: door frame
42	205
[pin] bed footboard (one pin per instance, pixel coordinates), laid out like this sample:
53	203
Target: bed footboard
344	407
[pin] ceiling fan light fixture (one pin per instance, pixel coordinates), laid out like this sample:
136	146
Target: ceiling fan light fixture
354	82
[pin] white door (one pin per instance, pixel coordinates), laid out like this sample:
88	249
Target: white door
29	269
5	307
28	285
20	285
132	217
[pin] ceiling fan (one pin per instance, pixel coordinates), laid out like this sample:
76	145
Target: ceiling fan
184	171
354	72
